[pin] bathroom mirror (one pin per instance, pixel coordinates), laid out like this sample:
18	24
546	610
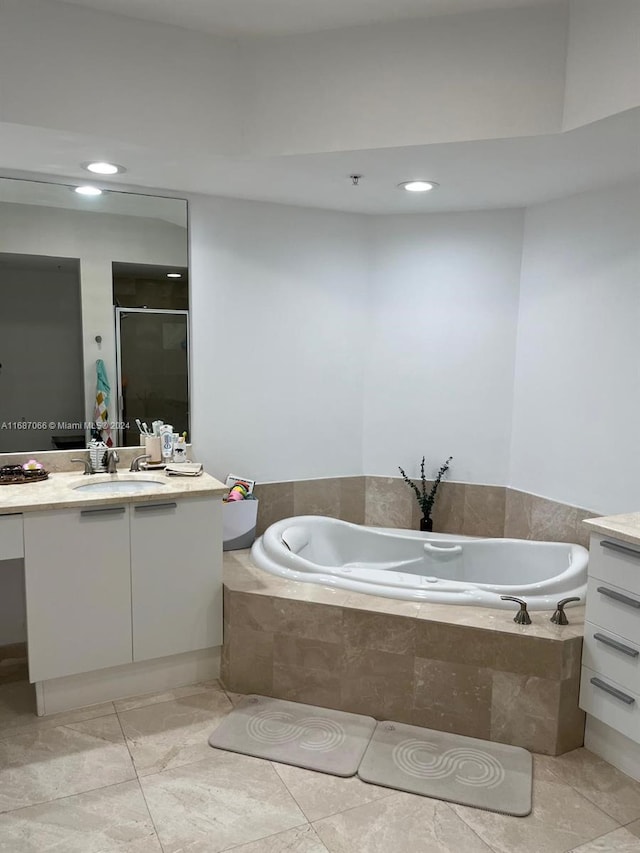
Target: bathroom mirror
85	279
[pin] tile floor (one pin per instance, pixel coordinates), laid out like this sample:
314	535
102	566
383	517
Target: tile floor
137	776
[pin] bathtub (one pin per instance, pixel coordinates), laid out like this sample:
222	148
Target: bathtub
430	567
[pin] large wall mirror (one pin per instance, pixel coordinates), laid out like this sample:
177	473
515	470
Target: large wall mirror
93	290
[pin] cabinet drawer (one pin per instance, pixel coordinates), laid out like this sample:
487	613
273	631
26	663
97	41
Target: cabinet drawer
597	700
11	539
614	609
612	655
616	562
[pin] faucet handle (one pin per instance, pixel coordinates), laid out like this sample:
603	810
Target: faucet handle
522	616
560	617
86	463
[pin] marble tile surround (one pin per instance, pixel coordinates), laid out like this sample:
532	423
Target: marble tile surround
467	670
465	508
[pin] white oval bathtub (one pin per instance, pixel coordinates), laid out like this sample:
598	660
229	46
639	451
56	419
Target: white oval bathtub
405	564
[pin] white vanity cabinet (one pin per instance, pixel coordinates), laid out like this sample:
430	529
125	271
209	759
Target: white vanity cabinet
78	589
176	580
121	584
610	685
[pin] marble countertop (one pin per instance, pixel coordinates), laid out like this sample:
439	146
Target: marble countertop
625	527
58	491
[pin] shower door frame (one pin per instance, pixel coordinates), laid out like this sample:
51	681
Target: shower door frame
120	399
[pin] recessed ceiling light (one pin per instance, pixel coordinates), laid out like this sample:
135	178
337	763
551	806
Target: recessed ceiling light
418	186
88	190
174	275
103	168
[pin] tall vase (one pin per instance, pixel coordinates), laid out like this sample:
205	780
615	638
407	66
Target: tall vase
426	525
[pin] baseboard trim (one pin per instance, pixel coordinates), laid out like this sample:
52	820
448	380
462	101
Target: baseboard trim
105	685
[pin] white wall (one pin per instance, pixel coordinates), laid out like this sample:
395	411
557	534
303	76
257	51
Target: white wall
441	346
576	427
603	60
97	239
278	335
481	75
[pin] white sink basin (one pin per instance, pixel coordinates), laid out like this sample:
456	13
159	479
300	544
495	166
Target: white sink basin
124	486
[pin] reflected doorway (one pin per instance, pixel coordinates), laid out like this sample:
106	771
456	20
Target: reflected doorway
152	347
153	369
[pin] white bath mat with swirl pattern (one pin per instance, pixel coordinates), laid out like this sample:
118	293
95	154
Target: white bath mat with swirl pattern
463	770
291	733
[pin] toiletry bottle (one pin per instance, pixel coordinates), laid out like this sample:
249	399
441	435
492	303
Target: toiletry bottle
166	437
180	451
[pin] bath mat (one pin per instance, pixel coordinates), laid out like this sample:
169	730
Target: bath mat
463	770
290	733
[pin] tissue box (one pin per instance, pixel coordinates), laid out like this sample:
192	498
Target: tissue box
239	519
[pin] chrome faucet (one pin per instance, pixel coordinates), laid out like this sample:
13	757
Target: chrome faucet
86	463
112	460
135	464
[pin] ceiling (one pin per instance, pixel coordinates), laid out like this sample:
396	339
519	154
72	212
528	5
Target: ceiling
472	175
284	17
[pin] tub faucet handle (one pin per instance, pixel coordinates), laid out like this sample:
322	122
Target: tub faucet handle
522	616
560	617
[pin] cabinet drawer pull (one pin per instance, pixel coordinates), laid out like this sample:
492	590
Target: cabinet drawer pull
620	647
624	549
618	596
144	507
623	697
103	510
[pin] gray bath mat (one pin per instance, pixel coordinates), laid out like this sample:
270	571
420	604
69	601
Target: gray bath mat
314	738
463	770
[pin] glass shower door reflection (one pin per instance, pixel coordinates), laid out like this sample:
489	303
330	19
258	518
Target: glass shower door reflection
153	369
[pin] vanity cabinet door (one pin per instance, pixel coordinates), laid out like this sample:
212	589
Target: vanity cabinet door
176	576
78	584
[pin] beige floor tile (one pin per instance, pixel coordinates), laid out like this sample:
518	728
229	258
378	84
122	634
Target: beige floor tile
47	764
234	698
634	828
321	795
300	840
618	841
18	711
165	696
109	820
399	823
169	734
611	790
561	820
220	802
